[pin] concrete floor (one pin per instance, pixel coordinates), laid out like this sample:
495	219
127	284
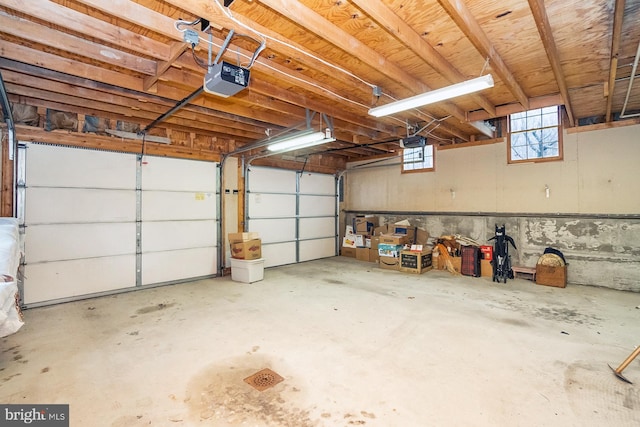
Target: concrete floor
356	345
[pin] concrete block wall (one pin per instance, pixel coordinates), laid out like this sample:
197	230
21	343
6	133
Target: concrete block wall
601	251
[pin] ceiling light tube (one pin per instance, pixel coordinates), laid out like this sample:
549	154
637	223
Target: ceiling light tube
299	141
437	95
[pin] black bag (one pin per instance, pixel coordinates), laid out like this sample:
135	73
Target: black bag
470	261
555	252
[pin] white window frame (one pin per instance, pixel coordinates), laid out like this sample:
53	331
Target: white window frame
420	159
537	134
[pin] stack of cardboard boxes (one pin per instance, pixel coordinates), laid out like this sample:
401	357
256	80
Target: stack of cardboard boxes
247	264
393	246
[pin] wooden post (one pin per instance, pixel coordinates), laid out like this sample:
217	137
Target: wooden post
6	202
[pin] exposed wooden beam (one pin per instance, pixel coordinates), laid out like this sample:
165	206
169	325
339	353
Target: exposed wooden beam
546	35
472	144
278	46
618	16
474	32
74	104
77	22
69	43
155	103
176	49
289	49
410	38
6	176
505	110
69	66
332	33
76	139
139	15
606	125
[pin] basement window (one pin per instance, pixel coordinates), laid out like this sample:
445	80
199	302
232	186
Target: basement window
535	135
418	159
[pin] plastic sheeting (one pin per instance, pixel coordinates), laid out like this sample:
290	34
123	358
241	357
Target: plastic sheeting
10	315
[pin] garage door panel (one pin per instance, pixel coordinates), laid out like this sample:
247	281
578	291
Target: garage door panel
162	173
67	279
317	205
279	254
313	183
272	205
168	235
311	228
55	166
159	267
272	180
274	230
296	210
171	205
316	249
78	205
58	242
80	210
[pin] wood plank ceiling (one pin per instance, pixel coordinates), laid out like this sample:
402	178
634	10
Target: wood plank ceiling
128	60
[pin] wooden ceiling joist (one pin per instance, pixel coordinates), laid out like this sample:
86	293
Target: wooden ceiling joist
176	49
410	38
75	45
361	51
618	15
128	60
546	34
473	31
80	23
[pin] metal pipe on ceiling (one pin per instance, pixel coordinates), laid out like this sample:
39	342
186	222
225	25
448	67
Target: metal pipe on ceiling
173	109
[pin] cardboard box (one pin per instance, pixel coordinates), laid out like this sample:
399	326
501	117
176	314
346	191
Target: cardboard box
410	231
385	249
486	252
415	262
551	276
243	237
421	237
373	255
389	263
486	269
394	239
251	249
383	229
365	224
456	262
347	251
375	241
362	254
361	241
349	241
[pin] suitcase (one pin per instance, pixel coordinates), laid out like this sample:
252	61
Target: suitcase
470	261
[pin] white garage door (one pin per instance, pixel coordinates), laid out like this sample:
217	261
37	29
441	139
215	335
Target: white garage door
179	227
92	227
294	213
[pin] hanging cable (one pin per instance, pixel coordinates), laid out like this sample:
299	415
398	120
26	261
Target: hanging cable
484	67
197	59
265	37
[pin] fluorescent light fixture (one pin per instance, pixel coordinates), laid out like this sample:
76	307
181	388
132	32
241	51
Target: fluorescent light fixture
437	95
302	140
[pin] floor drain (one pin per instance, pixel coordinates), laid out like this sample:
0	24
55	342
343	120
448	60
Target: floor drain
263	379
